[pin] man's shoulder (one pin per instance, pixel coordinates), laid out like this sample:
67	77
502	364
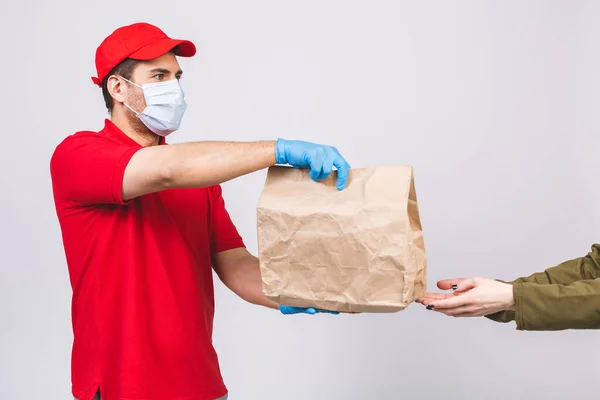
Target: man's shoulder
81	137
75	146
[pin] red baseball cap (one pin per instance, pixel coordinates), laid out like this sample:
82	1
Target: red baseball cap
140	41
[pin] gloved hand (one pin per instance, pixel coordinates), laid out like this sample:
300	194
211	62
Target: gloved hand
299	310
319	158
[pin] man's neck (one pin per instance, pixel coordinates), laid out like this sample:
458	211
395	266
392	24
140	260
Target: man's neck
143	136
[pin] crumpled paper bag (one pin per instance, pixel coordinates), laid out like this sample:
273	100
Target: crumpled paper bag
356	250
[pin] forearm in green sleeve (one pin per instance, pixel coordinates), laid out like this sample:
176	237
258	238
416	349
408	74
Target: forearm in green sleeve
566	273
557	307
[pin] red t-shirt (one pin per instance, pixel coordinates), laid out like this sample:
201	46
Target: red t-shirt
141	273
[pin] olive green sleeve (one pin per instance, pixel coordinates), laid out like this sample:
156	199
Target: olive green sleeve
556	307
564	280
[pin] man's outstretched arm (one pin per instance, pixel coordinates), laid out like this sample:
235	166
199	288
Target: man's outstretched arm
88	170
204	164
187	165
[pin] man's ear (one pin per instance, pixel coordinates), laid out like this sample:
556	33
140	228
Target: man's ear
116	88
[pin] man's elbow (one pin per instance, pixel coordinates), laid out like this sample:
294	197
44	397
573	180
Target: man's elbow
165	169
138	182
165	177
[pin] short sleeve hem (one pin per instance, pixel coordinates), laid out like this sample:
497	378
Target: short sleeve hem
118	175
225	245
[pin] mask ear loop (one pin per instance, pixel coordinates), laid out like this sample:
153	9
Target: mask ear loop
127	80
137	114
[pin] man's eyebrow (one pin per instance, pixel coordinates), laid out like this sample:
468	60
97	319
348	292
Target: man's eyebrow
164	71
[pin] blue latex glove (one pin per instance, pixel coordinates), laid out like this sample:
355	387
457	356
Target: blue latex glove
299	310
319	158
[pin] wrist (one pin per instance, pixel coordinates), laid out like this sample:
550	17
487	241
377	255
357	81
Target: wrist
280	157
510	297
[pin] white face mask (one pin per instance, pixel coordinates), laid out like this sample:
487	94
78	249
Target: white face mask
165	106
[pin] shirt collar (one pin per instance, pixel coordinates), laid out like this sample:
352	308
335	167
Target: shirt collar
115	133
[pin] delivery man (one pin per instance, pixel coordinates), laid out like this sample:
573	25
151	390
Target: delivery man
143	222
566	296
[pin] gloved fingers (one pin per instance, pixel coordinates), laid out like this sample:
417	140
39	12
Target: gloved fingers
328	312
343	169
315	161
327	166
288	310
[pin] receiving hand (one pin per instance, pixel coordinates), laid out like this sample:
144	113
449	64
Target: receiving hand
300	310
474	297
319	158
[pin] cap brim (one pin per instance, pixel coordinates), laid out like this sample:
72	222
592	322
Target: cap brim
185	48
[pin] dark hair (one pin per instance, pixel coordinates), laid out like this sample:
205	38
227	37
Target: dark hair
124	69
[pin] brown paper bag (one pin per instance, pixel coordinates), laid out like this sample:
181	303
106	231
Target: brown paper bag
356	250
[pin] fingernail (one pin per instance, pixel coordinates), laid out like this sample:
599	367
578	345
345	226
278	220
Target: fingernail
454	287
429	307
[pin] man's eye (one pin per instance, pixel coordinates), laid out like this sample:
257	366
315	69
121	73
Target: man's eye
158	76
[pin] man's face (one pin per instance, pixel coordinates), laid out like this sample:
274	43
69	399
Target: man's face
161	69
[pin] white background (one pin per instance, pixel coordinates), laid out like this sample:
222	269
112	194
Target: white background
494	103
